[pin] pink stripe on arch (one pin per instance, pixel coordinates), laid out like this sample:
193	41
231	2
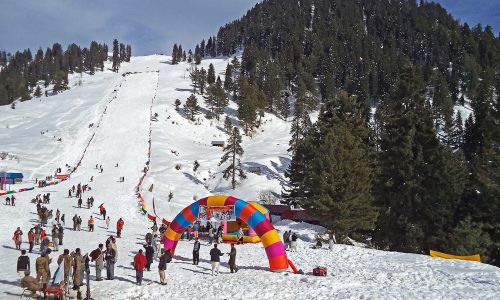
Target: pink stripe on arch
275	250
230	200
169	244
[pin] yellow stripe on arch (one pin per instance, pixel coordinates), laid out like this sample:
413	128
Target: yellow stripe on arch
270	237
216	200
172	235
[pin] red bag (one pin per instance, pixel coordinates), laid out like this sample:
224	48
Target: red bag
319	271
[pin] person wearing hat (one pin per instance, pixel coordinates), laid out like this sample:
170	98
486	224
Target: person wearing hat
31	284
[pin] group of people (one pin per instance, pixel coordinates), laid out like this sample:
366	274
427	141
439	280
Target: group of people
10	200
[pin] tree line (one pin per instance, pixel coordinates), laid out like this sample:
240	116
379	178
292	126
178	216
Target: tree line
23	74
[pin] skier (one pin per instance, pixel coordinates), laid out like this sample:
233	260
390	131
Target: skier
139	264
107	222
165	258
69	193
13	201
215	255
79	202
88	203
23	263
196	252
119	227
7	201
232	259
18	238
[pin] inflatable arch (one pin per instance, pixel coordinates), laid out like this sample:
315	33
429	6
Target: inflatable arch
270	238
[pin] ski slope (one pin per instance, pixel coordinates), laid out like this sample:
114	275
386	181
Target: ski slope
120	105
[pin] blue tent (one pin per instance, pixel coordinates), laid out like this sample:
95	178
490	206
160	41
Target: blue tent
11	177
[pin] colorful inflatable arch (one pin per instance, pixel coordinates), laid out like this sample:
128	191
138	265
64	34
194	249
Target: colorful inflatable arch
244	211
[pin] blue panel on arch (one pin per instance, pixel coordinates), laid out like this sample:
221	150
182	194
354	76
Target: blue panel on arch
182	220
195	209
255	219
238	206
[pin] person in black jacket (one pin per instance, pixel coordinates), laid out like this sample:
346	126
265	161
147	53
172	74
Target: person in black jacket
149	255
196	252
23	263
110	257
232	259
165	258
215	255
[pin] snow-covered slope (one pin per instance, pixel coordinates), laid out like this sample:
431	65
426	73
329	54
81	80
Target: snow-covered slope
119	105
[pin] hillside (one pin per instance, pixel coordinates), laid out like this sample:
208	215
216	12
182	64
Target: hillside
119	105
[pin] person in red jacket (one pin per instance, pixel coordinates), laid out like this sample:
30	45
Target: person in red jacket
119	227
139	264
31	239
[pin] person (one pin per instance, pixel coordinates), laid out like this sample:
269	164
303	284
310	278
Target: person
31	239
110	257
42	266
293	242
149	255
75	222
38	231
239	235
108	220
13	201
139	264
77	268
61	234
79	223
44	244
196	228
23	263
98	256
286	239
215	255
88	203
119	228
91	224
18	238
331	242
31	284
156	245
196	252
103	213
7	201
55	238
66	257
63	221
80	202
232	259
69	193
210	235
165	258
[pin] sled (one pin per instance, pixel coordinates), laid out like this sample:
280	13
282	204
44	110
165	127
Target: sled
475	257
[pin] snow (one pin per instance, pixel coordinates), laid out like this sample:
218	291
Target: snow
120	135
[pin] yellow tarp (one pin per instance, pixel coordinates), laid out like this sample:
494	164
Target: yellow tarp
475	257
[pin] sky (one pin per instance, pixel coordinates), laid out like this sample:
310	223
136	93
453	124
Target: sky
152	26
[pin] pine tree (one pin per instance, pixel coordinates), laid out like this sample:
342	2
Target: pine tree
38	92
228	79
301	123
179	54
248	104
175	51
231	153
191	106
211	74
457	133
116	56
228	124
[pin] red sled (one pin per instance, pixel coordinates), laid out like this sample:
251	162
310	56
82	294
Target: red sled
319	271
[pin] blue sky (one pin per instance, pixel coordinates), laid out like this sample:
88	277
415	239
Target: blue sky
152	26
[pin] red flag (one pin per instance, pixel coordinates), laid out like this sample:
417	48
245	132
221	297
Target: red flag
165	222
152	218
